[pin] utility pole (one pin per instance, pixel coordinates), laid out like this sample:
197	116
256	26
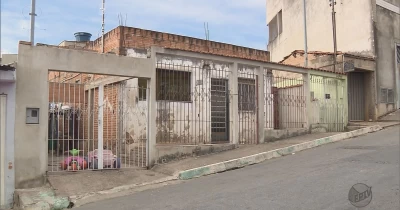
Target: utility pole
332	4
305	35
33	15
102	27
0	33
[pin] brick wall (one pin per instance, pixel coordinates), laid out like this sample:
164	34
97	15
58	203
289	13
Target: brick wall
121	38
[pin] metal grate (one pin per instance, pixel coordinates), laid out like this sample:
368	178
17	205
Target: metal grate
398	54
247	105
384	95
193	104
328	103
285	102
390	96
96	119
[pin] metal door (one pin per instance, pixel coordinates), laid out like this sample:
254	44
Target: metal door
356	96
219	111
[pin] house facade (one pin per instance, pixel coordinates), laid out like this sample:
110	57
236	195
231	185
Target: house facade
364	28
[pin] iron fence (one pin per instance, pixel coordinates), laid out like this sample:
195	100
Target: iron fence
192	104
247	106
285	102
81	105
327	102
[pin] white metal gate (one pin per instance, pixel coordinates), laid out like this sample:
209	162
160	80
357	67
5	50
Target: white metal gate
3	99
96	122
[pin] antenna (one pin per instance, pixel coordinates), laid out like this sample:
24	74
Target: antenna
102	26
207	32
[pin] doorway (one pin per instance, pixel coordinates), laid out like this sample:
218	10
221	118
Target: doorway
356	96
219	111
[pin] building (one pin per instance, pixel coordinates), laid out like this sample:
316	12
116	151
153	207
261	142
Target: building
158	103
368	29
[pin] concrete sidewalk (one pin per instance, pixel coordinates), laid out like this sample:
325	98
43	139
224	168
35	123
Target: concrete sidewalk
85	187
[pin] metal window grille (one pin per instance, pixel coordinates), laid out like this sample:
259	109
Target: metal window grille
173	85
247	92
384	95
390	96
398	54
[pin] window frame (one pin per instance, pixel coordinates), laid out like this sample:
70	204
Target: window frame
250	85
182	78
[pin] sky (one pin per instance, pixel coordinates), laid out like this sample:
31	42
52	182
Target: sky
239	22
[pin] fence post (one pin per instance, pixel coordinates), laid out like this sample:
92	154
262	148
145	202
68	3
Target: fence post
152	113
233	106
261	104
307	93
100	127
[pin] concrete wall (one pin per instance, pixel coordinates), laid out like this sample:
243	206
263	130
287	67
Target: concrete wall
32	91
8	59
354	27
9	89
387	34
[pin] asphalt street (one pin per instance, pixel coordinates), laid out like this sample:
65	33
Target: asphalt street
318	178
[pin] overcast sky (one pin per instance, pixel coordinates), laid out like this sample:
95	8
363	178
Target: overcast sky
240	22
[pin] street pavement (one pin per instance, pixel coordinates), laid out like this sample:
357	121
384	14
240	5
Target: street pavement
318	178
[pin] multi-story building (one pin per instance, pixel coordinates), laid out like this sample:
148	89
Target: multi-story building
365	28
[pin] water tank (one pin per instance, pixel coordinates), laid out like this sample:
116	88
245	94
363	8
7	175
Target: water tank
82	36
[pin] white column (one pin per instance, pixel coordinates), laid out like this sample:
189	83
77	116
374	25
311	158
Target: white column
151	149
261	104
233	105
100	127
307	94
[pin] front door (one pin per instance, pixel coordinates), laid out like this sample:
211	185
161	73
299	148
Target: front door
219	111
356	96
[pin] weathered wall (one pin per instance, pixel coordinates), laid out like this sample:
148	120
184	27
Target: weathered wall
120	39
387	34
352	36
8	88
32	91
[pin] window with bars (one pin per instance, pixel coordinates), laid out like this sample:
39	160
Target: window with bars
142	86
384	95
247	94
398	54
390	96
173	85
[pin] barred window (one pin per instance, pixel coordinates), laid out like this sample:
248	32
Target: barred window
390	96
173	85
247	94
142	86
398	54
384	95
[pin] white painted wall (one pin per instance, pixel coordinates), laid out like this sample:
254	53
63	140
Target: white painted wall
9	89
354	26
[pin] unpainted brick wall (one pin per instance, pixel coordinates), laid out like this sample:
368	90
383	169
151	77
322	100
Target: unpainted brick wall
122	38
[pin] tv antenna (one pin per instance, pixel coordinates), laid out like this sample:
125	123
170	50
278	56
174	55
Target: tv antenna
207	32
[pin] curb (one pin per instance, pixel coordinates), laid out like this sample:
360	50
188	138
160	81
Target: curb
40	200
79	200
261	157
